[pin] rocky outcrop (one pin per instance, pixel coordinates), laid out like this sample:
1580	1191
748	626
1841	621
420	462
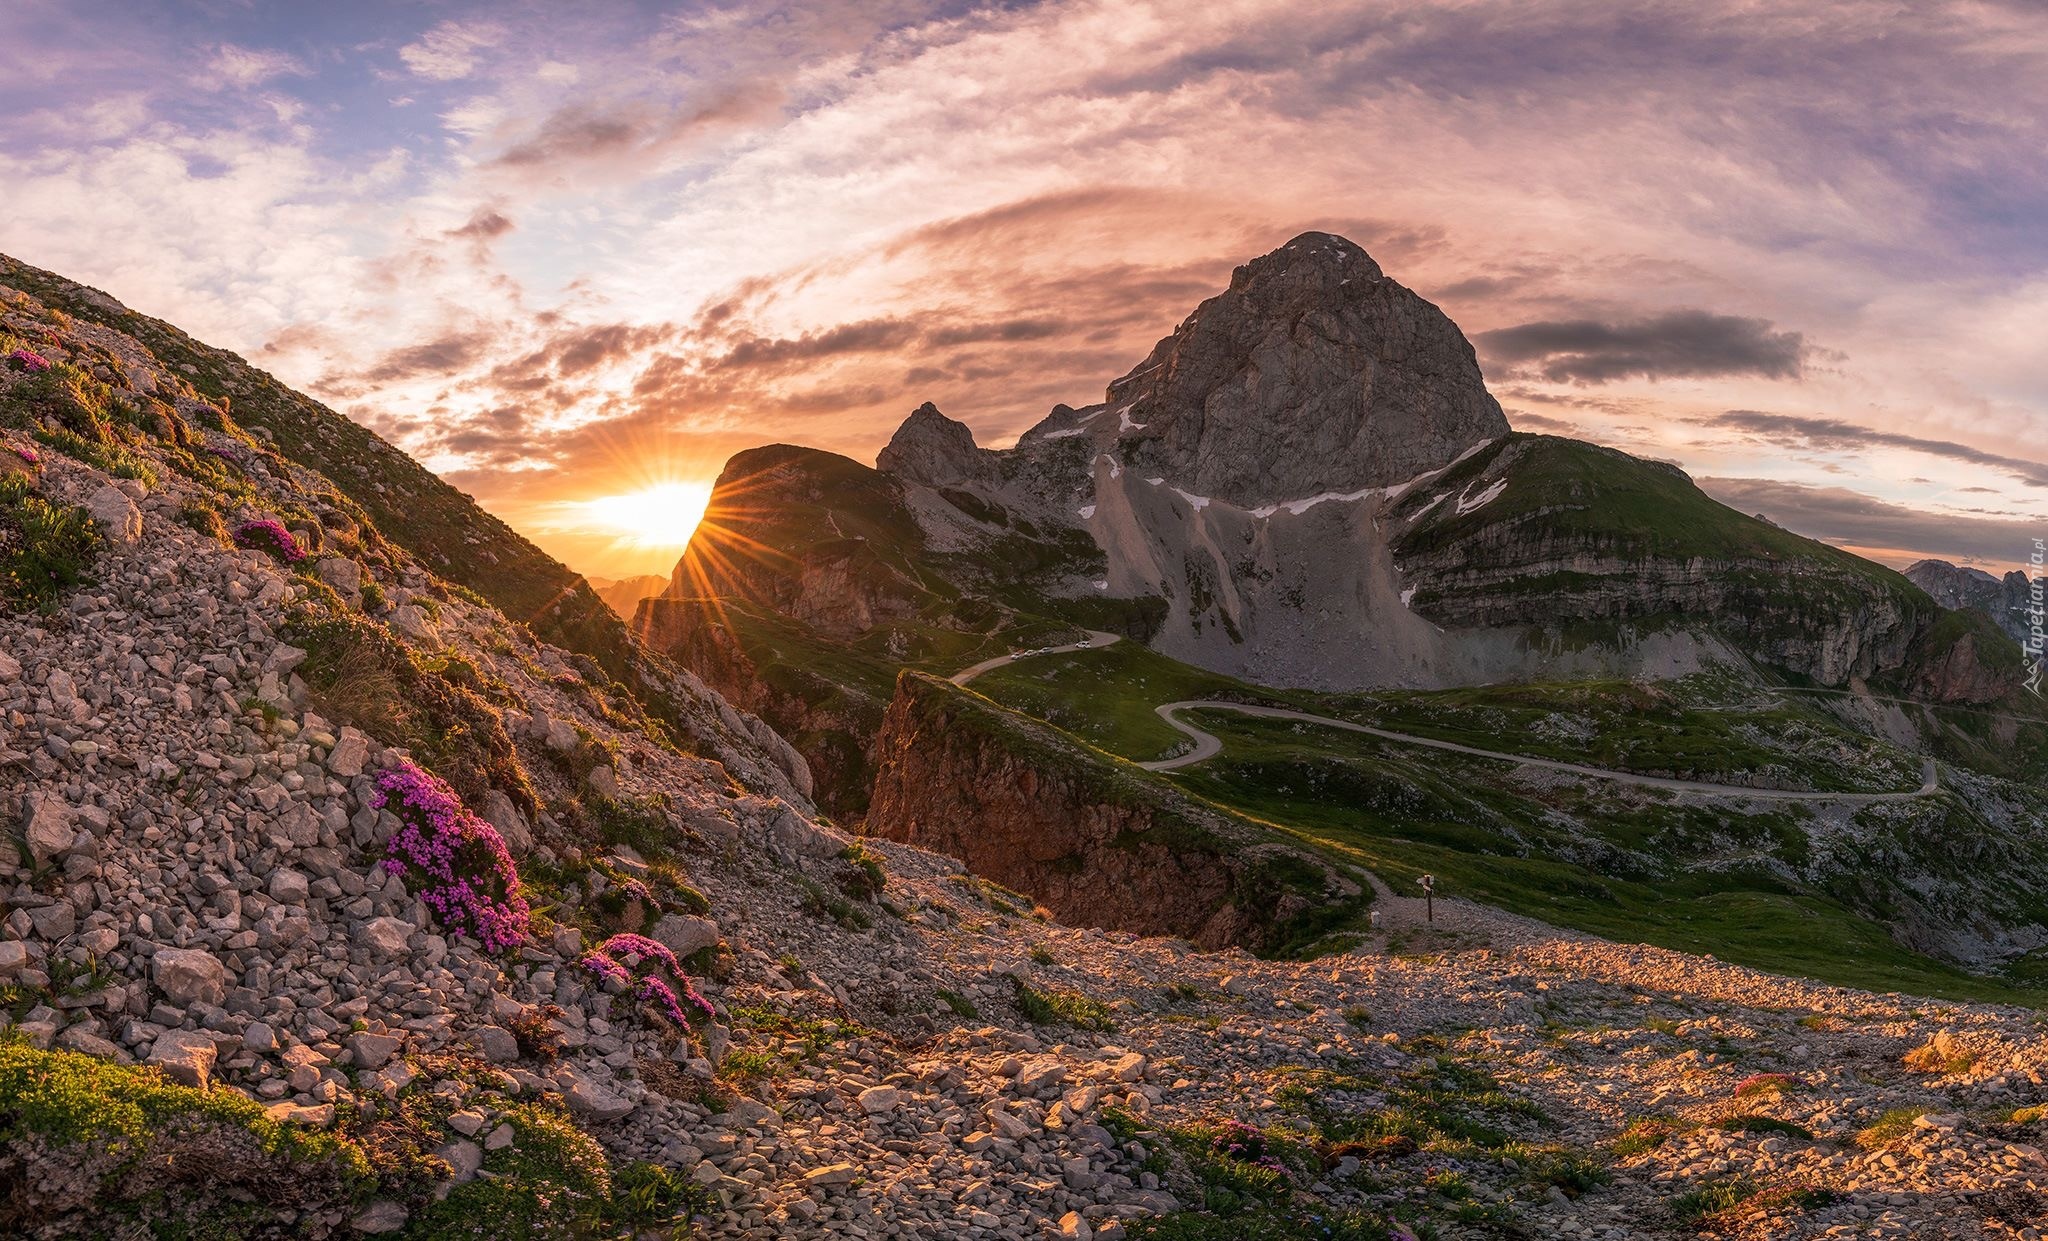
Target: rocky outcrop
1551	534
793	529
1091	841
833	726
624	595
934	450
2009	601
1314	372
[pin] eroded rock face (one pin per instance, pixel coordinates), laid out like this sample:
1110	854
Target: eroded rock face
1001	799
1314	372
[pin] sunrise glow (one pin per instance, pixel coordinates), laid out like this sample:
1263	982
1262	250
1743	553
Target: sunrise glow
657	518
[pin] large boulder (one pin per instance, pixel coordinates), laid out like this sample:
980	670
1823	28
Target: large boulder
116	514
189	976
48	829
186	1056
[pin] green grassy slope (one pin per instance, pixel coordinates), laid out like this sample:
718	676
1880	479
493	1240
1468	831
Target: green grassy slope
1579	534
1615	861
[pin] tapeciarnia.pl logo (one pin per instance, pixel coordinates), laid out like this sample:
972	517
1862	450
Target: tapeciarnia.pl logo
2037	614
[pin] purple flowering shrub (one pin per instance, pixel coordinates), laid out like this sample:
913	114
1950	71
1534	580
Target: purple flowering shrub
454	861
618	962
27	454
270	535
1246	1144
1763	1083
29	360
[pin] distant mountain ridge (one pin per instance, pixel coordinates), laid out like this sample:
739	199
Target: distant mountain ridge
2010	601
623	595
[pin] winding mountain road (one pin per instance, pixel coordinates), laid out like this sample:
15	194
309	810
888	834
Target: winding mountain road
1208	745
1095	640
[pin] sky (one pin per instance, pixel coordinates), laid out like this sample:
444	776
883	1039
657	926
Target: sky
573	257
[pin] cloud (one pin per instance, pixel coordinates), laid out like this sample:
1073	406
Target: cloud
449	51
1680	344
584	348
846	209
250	66
631	133
1834	434
1893	532
445	356
485	225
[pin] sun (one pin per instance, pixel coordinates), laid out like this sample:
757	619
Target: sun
657	518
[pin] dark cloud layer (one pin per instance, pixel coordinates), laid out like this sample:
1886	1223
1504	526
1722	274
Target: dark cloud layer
1681	344
1833	434
443	356
1839	515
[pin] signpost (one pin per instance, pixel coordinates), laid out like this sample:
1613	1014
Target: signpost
1428	883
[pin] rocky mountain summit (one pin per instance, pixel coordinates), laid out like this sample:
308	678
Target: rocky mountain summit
1313	373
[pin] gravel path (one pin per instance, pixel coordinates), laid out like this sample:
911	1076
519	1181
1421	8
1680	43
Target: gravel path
1096	640
1207	746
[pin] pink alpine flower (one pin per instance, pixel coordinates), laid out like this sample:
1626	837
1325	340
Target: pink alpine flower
29	360
456	862
684	1008
270	535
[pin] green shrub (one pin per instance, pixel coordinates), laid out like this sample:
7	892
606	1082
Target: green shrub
639	823
1712	1198
1573	1174
552	1184
1057	1006
1266	1224
865	878
1889	1127
183	1160
206	519
1765	1124
45	548
362	674
827	904
962	1006
647	1196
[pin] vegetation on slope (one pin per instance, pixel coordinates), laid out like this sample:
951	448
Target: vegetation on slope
1623	862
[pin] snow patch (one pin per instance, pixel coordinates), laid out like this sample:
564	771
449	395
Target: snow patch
1102	585
1086	511
1124	425
1467	505
1408	594
1198	503
1115	470
1069	433
1298	507
1155	481
1395	492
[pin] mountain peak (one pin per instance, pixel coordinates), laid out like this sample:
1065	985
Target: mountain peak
931	448
1339	258
1314	372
